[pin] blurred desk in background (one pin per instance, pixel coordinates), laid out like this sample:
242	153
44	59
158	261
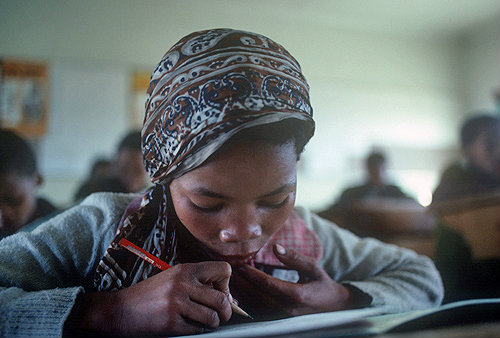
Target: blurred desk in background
467	251
403	222
477	219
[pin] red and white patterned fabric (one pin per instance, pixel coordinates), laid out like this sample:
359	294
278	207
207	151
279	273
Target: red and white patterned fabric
293	235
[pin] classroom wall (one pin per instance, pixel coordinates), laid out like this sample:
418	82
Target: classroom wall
480	50
386	93
405	95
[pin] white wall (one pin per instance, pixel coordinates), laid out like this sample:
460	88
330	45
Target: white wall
481	65
88	116
378	92
404	95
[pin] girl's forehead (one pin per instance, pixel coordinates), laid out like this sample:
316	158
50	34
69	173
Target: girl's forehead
245	166
253	155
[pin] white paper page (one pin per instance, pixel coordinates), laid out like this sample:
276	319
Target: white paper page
384	323
293	324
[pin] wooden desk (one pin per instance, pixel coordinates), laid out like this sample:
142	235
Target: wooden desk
477	219
403	222
392	217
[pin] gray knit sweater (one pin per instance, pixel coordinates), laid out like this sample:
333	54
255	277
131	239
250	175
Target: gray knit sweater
42	272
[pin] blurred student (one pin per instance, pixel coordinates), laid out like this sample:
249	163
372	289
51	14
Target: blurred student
464	275
100	170
127	170
480	170
101	167
351	209
377	184
20	208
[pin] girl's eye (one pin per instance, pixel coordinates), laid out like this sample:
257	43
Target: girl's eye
276	205
207	209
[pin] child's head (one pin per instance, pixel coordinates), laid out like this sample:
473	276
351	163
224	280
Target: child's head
227	116
480	141
101	167
129	165
19	179
375	166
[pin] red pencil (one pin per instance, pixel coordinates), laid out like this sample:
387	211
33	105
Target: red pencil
164	266
144	254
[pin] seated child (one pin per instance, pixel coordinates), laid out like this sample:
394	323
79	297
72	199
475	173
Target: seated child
19	181
227	117
464	275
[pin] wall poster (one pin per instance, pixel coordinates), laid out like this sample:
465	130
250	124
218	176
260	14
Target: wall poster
24	96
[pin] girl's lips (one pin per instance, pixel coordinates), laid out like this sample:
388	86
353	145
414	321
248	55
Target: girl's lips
239	259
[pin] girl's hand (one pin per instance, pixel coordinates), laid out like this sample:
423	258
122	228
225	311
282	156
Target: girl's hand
184	299
315	292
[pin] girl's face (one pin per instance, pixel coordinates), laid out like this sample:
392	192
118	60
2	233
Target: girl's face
235	202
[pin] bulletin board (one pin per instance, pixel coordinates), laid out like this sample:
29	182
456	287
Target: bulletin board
24	96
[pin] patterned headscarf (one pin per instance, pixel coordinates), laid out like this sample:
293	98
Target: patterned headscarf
207	87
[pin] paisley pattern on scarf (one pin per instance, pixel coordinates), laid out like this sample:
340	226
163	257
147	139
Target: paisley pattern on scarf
207	87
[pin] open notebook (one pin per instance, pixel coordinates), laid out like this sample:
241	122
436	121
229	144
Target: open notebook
365	322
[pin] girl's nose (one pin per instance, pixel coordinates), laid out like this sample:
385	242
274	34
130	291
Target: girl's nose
240	233
240	225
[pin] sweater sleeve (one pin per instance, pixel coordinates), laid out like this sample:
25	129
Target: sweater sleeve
397	279
42	272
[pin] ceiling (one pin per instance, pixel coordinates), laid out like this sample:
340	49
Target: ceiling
405	18
417	18
89	29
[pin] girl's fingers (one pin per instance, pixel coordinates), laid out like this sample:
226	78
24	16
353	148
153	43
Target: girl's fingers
216	274
201	316
270	285
211	299
303	264
268	305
